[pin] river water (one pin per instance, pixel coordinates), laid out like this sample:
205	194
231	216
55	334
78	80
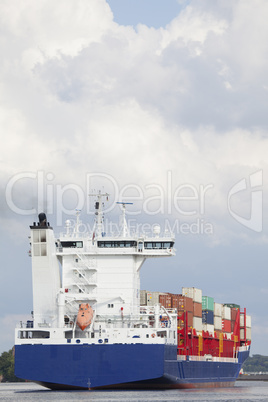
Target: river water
243	391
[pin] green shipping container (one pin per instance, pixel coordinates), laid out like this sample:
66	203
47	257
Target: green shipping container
232	305
207	303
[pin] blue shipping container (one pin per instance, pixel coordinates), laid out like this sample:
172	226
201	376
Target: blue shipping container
207	317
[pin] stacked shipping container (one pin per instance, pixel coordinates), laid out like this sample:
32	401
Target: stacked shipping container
245	326
208	314
202	312
183	304
226	319
217	318
234	312
196	296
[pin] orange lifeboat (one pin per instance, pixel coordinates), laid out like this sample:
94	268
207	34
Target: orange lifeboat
84	316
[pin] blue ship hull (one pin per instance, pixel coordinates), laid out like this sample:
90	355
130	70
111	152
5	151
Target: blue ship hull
120	366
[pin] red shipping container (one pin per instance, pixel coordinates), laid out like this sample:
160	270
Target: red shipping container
190	318
165	300
197	309
232	326
234	312
185	303
189	315
174	301
226	326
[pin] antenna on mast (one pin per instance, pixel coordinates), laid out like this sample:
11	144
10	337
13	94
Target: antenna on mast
98	212
77	222
125	232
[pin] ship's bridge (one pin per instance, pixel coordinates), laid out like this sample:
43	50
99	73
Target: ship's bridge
123	242
111	245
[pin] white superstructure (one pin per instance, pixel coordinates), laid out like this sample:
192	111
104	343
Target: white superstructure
98	269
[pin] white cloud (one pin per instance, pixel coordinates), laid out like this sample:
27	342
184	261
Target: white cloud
112	97
46	29
192	27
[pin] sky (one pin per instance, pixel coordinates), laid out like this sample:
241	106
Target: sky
163	104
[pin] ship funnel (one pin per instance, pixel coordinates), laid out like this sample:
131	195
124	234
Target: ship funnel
42	219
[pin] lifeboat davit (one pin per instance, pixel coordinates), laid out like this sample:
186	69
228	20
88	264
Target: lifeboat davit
84	316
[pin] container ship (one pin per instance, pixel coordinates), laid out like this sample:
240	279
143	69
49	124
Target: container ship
93	328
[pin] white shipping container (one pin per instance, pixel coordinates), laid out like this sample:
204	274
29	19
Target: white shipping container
208	327
248	321
242	320
193	293
217	309
153	298
197	323
248	334
149	301
218	323
226	313
143	297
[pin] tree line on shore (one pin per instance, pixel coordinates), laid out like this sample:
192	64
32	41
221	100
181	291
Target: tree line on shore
256	364
7	367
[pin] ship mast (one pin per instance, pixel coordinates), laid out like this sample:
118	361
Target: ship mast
125	231
98	212
76	230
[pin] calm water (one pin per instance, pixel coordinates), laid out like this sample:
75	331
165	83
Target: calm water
243	391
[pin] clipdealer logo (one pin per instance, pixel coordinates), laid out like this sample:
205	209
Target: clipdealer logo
254	222
185	200
184	203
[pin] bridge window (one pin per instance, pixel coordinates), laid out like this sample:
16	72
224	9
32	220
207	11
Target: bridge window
158	245
72	244
117	244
